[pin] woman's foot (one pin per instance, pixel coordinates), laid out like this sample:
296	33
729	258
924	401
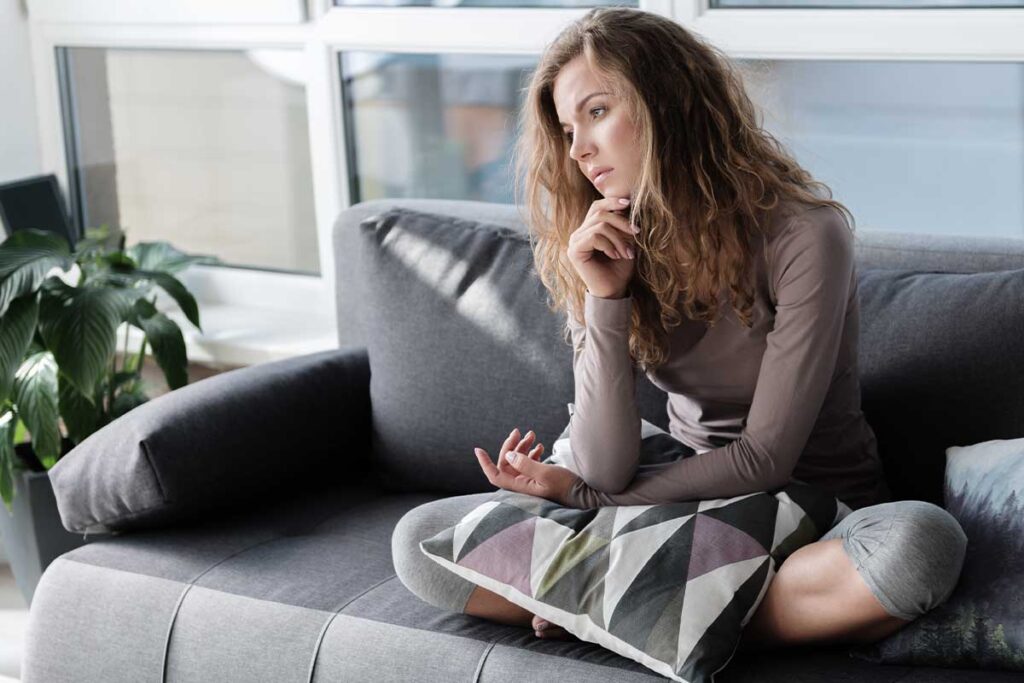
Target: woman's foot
545	629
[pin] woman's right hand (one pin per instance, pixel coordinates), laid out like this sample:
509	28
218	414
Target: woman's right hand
600	249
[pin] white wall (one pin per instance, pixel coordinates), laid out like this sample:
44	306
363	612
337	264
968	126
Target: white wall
19	136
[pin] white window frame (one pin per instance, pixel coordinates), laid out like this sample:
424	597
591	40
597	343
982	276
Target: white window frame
267	302
983	34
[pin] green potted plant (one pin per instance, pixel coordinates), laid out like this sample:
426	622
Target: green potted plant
60	380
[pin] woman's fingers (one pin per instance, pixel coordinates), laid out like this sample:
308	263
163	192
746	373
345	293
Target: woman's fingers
617	220
524	445
509	444
606	245
536	452
513	443
489	468
610	233
504	474
502	479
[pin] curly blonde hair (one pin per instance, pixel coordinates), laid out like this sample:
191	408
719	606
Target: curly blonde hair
710	175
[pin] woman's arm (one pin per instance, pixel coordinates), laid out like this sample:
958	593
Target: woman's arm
605	426
813	274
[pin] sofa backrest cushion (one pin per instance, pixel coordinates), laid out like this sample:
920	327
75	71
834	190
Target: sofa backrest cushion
462	347
941	365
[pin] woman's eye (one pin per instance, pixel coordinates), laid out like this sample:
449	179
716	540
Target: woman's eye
568	134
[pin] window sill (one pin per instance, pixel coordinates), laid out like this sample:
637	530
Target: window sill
241	335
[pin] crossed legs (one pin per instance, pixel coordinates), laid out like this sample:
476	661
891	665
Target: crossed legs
817	595
872	573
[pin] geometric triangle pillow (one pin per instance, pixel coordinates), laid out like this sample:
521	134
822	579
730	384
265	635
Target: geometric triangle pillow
670	586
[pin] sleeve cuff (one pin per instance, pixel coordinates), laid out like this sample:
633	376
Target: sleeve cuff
574	496
613	313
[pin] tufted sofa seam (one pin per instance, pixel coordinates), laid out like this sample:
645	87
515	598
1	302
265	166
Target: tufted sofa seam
327	623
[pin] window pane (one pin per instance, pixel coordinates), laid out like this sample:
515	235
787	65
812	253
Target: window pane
866	4
426	125
929	147
207	149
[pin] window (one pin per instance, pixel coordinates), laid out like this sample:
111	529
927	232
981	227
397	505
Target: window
930	147
207	149
911	117
428	125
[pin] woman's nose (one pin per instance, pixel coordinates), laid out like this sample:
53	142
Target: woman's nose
580	149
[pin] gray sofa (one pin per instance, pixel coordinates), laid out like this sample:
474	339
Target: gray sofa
240	528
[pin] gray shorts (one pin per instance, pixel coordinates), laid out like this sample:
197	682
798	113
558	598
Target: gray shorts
908	552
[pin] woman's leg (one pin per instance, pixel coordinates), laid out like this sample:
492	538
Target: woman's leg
435	584
878	569
428	580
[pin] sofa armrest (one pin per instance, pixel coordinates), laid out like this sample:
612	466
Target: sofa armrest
263	430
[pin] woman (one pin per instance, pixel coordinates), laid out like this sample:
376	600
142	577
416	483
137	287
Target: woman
697	250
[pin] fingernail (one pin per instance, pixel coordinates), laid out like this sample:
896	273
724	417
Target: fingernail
541	625
623	201
511	456
636	229
629	252
514	432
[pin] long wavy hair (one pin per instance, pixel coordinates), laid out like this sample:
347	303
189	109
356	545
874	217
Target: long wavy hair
710	175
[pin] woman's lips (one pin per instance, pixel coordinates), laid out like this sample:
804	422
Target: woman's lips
603	176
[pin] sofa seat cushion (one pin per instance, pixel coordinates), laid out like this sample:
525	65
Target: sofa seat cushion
305	590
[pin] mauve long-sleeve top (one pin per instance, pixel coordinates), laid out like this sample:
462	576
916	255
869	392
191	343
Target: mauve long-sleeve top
762	406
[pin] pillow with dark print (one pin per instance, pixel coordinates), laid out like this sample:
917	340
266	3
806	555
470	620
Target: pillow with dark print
982	623
670	586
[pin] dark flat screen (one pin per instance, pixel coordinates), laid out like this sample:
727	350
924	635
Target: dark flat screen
34	203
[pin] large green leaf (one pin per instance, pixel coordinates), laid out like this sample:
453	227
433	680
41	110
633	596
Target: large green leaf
35	396
142	282
25	259
7	422
16	329
79	325
168	343
125	401
177	291
97	241
162	257
81	415
20	433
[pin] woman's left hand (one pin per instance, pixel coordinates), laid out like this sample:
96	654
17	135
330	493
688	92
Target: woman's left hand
526	474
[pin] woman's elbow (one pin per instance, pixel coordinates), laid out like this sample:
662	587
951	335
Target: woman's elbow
773	478
605	467
608	479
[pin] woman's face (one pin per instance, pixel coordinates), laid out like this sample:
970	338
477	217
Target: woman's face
600	132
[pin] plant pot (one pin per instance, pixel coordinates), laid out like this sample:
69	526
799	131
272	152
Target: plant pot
32	532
